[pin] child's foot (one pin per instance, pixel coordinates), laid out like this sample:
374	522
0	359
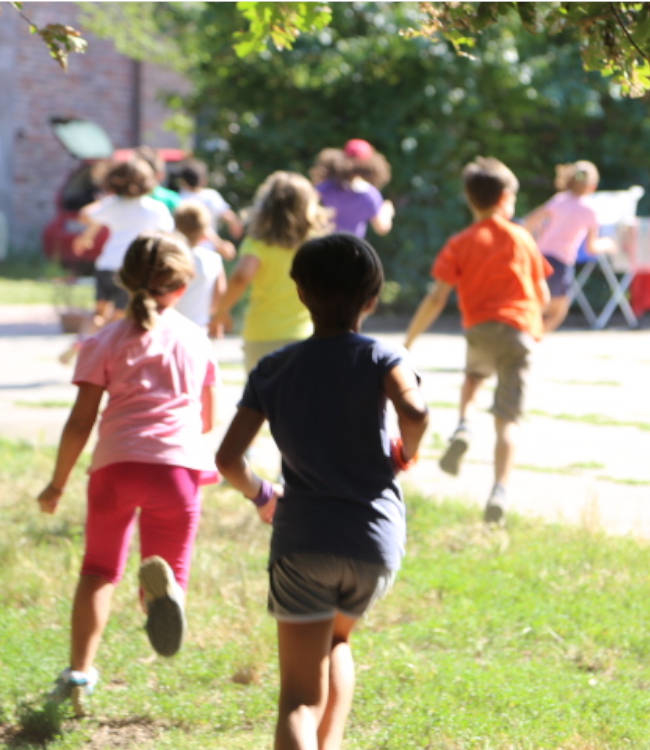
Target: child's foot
495	507
75	685
458	445
163	599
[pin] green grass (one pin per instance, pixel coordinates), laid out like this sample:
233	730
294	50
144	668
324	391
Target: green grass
33	280
51	404
599	420
532	638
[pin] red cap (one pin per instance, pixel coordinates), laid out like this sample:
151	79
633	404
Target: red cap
357	148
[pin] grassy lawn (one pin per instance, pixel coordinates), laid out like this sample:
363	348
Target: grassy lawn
33	281
530	638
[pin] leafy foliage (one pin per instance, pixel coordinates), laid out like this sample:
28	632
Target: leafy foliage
282	22
60	39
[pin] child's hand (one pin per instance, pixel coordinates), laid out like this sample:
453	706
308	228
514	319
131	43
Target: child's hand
49	498
81	243
267	511
226	249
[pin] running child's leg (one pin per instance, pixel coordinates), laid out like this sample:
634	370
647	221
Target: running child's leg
90	612
304	654
504	449
341	685
555	313
468	393
459	442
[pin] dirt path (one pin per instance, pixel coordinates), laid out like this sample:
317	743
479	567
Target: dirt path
584	454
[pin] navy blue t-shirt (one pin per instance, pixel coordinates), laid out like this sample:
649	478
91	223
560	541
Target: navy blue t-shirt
325	403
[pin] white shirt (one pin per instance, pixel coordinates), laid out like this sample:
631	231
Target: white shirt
126	218
195	303
211	199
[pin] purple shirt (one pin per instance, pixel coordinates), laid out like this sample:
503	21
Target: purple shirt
354	206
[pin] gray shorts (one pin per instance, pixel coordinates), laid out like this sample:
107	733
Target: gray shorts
108	290
306	587
495	347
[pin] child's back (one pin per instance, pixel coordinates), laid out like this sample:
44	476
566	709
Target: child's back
326	404
497	270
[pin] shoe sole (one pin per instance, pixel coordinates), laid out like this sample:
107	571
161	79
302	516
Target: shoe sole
450	460
165	624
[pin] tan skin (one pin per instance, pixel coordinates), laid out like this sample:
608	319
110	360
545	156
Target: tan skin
428	312
316	665
92	600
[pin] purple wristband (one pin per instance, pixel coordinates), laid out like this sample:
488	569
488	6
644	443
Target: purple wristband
264	495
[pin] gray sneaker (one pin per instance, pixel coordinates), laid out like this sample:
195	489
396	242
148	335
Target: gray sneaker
494	511
458	444
76	686
164	600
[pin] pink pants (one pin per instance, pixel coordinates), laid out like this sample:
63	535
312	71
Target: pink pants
170	505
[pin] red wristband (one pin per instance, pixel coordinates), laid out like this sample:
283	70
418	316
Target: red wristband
397	454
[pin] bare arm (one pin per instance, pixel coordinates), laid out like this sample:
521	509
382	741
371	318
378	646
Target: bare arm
401	387
428	311
596	245
535	220
382	222
232	464
233	222
209	407
216	329
73	439
86	239
242	276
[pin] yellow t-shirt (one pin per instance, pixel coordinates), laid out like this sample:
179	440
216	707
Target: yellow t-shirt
275	312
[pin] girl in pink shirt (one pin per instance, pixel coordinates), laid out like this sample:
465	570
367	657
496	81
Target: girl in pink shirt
157	369
560	226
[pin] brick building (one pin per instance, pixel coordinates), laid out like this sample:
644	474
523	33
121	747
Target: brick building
102	85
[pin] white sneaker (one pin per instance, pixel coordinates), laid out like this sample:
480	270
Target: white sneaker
75	685
458	444
164	600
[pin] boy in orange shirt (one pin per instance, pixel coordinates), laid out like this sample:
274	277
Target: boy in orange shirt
500	278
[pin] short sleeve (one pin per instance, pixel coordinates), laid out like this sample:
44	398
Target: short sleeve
102	210
445	267
375	200
91	364
250	398
215	202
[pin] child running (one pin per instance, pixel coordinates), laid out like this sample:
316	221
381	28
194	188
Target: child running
338	523
193	183
150	456
499	274
201	300
285	213
560	226
349	181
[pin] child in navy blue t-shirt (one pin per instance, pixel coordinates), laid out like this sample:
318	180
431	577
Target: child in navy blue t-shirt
338	522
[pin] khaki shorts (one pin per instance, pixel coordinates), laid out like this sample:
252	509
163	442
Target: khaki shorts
495	347
306	587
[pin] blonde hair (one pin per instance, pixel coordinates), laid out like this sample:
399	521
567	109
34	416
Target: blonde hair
287	211
192	220
154	265
580	177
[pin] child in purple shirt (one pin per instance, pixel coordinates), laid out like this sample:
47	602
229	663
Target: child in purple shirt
348	181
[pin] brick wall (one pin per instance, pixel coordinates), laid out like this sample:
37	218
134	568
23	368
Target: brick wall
98	86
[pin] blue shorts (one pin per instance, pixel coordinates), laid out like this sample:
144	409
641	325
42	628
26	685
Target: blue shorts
561	280
309	587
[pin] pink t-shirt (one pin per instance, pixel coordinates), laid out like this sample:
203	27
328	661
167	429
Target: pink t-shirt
154	381
569	219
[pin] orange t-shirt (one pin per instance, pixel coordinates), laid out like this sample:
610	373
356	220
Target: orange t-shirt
498	272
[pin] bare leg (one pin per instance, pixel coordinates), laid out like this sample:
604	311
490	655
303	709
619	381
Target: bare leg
555	313
504	450
341	686
468	392
90	611
304	654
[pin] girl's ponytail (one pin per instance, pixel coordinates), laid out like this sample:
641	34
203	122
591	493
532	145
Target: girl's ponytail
580	177
154	265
